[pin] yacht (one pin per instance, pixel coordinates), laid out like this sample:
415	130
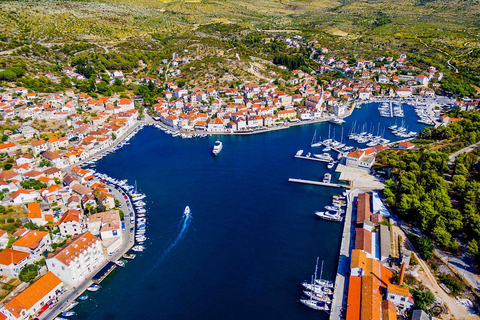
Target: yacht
324	157
337	121
334	209
217	147
318	297
314	304
186	212
328	215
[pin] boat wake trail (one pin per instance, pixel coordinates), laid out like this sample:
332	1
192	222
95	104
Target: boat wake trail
183	226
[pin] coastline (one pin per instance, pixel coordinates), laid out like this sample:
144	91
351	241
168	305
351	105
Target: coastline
68	296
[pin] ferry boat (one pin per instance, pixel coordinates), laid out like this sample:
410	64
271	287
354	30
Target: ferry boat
217	147
186	212
327	178
337	121
327	215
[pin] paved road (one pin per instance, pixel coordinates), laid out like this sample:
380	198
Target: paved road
452	157
128	241
464	267
341	280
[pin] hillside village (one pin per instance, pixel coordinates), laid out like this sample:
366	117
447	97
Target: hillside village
68	222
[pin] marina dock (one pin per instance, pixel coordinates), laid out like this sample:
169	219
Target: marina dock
341	278
104	272
319	183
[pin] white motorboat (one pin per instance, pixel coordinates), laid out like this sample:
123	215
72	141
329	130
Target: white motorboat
94	287
120	263
70	306
334	209
334	216
186	212
324	157
327	178
337	121
330	165
299	153
138	248
217	147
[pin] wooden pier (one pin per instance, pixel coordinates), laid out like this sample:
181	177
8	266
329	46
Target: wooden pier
319	183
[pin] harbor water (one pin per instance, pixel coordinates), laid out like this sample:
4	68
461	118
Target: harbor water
252	237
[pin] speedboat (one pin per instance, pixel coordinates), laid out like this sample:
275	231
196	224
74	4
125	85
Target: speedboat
94	287
68	314
217	147
186	212
70	306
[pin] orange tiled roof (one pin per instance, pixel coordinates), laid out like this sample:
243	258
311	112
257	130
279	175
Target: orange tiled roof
31	239
353	302
9	256
34	210
28	298
71	250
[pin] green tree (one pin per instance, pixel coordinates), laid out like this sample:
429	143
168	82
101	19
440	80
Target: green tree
28	273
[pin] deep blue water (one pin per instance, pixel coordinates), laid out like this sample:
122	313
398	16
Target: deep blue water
252	238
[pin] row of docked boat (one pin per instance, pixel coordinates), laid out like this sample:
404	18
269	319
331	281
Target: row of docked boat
402	131
390	110
67	311
183	135
334	211
317	292
422	113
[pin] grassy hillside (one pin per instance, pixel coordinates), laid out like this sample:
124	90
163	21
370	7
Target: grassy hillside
443	32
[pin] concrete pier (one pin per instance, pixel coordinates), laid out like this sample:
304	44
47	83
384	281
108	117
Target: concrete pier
319	183
341	280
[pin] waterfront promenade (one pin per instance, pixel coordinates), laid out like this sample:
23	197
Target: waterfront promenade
341	279
72	293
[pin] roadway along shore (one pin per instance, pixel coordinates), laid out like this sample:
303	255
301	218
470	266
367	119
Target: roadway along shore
72	293
341	280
